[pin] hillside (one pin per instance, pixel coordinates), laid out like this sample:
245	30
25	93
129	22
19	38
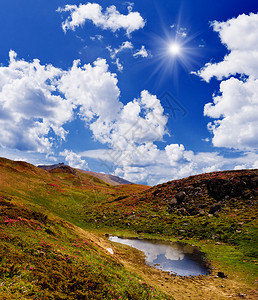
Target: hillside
110	179
45	257
53	225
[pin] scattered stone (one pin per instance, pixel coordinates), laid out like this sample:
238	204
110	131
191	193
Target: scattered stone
173	201
180	196
201	212
219	243
215	207
182	210
242	295
222	275
110	250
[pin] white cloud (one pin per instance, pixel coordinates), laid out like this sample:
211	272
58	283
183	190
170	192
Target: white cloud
97	37
141	52
93	89
155	166
111	19
32	110
139	121
74	160
235	108
114	52
29	108
240	37
175	153
125	46
118	65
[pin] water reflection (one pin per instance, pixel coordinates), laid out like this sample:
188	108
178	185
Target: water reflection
178	258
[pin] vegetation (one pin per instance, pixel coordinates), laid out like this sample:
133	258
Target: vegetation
47	251
45	259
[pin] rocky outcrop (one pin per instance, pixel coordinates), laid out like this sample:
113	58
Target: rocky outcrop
232	187
209	193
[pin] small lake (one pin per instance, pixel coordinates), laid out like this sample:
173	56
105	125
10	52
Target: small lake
177	258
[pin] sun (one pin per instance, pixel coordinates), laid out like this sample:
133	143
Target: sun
175	49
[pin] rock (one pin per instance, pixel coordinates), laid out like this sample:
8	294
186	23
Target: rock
254	182
220	188
180	196
214	208
201	212
173	201
222	275
182	210
242	295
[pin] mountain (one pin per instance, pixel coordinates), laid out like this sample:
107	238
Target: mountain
110	179
54	225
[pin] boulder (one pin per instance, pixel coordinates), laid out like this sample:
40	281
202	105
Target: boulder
220	188
214	208
173	201
180	196
222	275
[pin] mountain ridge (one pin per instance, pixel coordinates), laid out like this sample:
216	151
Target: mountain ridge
110	179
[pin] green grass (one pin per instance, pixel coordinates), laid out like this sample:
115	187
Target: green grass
229	239
44	259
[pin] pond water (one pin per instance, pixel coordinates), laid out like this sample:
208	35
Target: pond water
177	258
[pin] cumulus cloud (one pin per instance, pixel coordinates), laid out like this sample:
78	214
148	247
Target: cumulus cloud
37	100
139	121
154	166
111	19
74	160
29	108
235	107
91	88
141	52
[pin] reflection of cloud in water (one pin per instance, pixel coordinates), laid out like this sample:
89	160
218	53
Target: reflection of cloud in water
176	258
152	250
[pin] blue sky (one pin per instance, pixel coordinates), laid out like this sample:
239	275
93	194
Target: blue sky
147	90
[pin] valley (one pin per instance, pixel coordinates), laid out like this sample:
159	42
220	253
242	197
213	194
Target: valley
55	223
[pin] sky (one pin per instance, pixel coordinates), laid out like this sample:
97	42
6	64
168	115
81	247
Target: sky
148	90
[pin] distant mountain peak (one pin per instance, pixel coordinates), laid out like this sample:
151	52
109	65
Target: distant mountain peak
110	179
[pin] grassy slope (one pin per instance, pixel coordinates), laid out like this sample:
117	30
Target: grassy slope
44	257
65	194
228	237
